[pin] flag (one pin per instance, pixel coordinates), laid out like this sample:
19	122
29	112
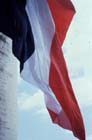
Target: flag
40	28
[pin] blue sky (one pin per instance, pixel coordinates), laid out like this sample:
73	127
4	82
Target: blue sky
34	122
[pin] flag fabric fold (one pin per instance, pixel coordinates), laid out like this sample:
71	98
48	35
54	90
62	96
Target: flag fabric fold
46	67
40	30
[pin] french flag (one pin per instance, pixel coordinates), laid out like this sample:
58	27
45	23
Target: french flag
40	30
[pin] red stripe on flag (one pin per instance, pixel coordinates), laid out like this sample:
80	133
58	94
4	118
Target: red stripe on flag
56	118
62	13
62	89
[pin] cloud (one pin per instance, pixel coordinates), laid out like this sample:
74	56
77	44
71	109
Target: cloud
83	90
27	102
42	111
78	43
78	56
89	137
78	52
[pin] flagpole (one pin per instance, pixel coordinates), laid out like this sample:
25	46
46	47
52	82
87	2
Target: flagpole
8	82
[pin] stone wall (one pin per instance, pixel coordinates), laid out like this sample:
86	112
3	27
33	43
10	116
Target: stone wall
8	82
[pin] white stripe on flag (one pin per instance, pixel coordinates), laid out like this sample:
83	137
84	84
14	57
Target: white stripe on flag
36	69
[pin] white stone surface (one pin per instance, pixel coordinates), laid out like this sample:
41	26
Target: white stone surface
8	82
